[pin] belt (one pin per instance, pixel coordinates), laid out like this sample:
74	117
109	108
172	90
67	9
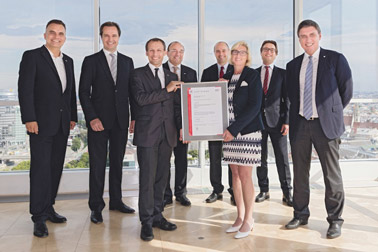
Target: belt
310	119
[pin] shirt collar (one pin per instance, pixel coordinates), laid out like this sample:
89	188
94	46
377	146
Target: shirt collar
271	66
171	65
153	68
52	55
108	53
224	66
315	55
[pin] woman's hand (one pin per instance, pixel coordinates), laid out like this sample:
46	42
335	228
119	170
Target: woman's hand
227	136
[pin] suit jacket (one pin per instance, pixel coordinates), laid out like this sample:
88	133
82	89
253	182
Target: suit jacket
246	102
154	107
187	75
276	102
334	90
99	96
40	92
211	73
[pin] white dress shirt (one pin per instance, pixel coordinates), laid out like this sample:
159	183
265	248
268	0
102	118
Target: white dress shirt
178	71
302	76
160	74
60	68
262	74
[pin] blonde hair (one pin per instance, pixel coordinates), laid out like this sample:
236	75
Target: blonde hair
242	43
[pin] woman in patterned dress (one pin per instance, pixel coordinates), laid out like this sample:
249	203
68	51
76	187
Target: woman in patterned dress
242	139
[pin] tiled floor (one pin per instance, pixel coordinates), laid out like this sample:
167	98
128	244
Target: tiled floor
201	227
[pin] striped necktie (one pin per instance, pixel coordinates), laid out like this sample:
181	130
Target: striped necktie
307	94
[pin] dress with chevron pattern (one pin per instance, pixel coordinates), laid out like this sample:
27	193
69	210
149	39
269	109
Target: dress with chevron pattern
245	149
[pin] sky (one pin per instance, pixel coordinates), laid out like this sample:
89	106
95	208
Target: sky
348	26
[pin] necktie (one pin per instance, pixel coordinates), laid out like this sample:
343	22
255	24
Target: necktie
221	73
266	78
175	68
113	67
157	77
307	94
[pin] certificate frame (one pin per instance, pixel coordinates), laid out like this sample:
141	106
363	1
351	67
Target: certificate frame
212	88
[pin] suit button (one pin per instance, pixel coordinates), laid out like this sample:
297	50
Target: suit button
61	110
115	90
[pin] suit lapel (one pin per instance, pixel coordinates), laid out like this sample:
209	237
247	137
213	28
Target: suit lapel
321	67
151	77
46	55
272	81
242	76
105	66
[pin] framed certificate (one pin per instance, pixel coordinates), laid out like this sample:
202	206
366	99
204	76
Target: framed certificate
204	108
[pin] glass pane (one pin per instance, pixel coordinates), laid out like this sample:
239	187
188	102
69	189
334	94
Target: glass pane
350	27
253	22
167	19
22	27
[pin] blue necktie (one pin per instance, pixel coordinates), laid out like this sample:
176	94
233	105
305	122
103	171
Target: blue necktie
307	94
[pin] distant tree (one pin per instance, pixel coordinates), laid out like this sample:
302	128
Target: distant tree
22	166
193	153
83	162
76	143
83	137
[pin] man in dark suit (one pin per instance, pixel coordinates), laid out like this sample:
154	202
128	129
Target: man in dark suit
104	95
185	74
158	112
214	73
275	111
320	86
47	96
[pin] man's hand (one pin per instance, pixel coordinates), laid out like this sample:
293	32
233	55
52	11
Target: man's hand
184	142
227	136
96	125
32	127
132	126
72	125
173	86
285	129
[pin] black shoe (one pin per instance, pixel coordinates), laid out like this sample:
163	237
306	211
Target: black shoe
40	229
54	217
146	233
233	202
262	196
214	197
167	201
164	225
288	199
295	223
96	217
334	230
183	200
123	208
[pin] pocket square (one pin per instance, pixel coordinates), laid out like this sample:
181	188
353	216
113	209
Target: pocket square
244	84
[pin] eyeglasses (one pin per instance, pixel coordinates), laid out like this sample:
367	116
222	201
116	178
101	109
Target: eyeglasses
272	50
175	51
242	53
